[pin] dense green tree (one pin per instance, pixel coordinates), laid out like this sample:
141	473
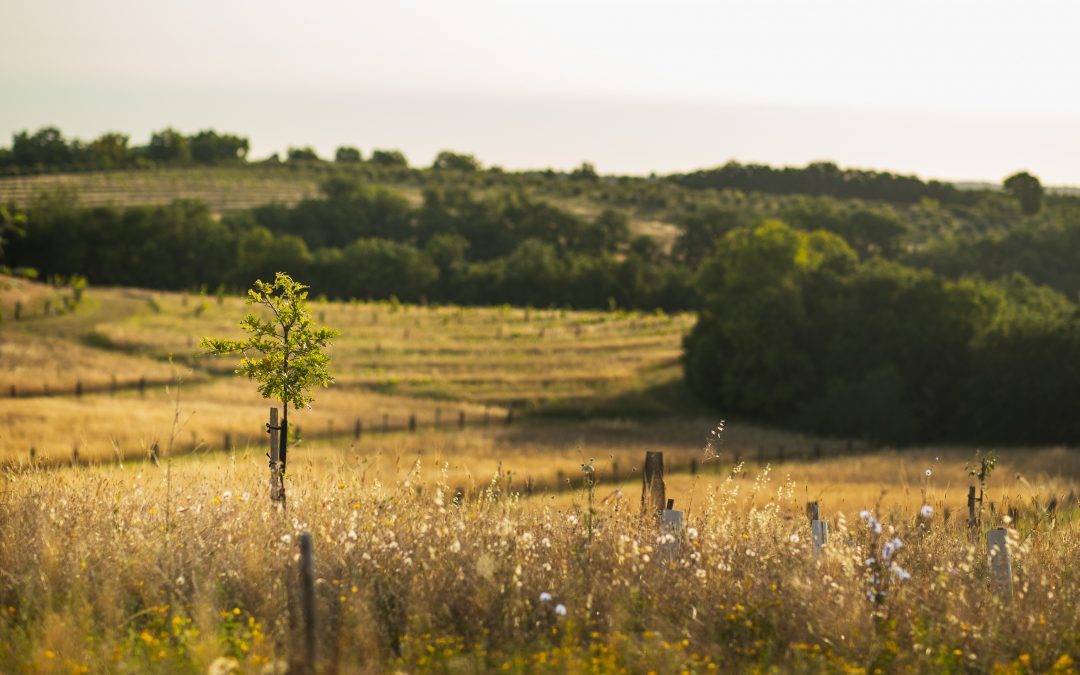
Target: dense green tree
305	154
390	158
110	150
169	147
1027	190
455	161
45	148
210	147
346	154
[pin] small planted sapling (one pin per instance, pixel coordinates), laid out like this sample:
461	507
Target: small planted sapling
283	353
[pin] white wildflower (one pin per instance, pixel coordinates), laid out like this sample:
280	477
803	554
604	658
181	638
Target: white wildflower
560	609
545	597
926	511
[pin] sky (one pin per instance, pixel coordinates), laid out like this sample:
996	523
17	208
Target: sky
951	89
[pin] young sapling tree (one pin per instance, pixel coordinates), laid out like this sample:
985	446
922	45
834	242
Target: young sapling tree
283	353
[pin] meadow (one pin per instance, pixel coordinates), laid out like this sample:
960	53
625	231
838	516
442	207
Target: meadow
482	548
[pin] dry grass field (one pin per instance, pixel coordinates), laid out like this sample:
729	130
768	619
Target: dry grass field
480	549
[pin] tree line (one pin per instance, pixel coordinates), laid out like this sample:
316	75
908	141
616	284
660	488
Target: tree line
361	241
796	328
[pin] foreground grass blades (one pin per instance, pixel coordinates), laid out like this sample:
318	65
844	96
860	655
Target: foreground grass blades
177	569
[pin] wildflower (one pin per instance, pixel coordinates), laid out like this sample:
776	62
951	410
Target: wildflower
692	533
865	515
227	494
545	597
870	562
560	609
891	547
286	538
900	572
794	538
926	511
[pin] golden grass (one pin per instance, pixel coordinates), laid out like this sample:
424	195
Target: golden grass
186	567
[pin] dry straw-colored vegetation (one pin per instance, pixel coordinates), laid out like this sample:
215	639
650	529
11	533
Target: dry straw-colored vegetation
185	567
120	564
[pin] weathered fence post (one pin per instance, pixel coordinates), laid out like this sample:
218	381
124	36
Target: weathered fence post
693	466
652	485
13	392
78	388
412	422
461	419
358	429
75	456
971	506
307	599
438	417
112	386
510	413
277	488
997	547
819	529
385	422
142	386
18	310
227	440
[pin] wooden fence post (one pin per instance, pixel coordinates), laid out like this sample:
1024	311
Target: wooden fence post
971	506
13	392
461	419
227	440
438	417
653	496
385	422
819	529
307	599
18	310
510	413
142	386
358	428
78	388
412	422
997	547
277	489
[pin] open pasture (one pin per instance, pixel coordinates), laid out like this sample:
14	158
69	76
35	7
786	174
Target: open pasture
449	549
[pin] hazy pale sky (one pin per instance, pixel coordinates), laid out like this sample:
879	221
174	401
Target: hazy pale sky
952	89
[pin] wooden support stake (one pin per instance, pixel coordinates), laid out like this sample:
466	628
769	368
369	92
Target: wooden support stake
227	440
997	547
693	467
510	413
78	388
972	520
652	484
385	423
307	599
277	488
142	386
18	310
358	429
438	417
461	419
412	422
